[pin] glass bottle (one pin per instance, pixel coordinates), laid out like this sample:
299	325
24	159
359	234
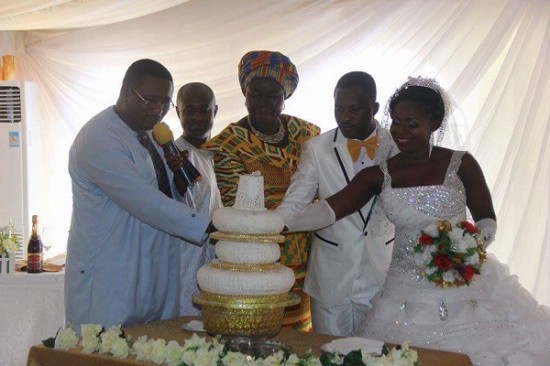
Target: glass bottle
34	249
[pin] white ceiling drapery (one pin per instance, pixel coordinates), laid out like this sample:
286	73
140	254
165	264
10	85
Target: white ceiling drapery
492	55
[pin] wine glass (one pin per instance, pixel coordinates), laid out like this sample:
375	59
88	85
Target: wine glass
48	239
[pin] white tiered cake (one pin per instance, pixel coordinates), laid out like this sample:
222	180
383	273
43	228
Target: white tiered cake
245	290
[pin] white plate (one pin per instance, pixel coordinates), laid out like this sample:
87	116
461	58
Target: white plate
344	346
194	326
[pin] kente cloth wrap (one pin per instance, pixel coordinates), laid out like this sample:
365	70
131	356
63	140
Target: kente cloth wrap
494	320
238	151
273	65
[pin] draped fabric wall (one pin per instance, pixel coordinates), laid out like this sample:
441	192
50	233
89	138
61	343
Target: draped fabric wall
493	56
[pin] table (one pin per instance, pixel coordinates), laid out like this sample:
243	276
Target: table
171	330
31	309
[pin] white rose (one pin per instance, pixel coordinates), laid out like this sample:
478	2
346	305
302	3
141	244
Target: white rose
120	348
137	347
90	345
235	359
66	339
293	360
195	342
450	276
147	350
213	357
158	355
469	239
203	357
432	230
217	345
90	340
173	353
425	256
273	360
430	270
90	330
108	338
189	357
461	246
456	234
473	259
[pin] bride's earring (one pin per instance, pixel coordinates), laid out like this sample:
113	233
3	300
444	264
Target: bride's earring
432	139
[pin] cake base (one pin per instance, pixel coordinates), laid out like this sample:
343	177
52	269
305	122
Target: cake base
245	316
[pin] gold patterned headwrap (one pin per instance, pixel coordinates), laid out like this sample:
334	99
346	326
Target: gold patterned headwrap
270	64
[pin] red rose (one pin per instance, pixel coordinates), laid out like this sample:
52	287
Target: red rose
442	262
468	273
425	239
469	227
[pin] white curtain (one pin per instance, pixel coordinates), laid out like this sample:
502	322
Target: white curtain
493	56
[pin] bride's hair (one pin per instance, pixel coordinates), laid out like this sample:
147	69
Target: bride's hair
429	94
427	98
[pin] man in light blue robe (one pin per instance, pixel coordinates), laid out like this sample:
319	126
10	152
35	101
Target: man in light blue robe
123	248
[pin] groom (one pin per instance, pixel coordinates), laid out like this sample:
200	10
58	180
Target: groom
348	259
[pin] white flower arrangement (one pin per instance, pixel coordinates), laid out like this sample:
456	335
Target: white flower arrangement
197	351
8	240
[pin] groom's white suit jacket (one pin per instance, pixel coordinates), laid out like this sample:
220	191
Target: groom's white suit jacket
354	245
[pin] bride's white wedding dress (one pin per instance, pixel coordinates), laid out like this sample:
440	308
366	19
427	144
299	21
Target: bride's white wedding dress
495	320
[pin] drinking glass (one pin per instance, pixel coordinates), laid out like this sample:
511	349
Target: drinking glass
48	239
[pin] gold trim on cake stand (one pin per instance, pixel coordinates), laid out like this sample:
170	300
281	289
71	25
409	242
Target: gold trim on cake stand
247	238
244	267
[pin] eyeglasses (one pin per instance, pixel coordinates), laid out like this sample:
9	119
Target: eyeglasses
165	104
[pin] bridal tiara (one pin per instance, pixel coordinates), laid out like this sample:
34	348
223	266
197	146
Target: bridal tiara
420	81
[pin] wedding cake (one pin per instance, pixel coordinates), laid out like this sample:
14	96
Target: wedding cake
244	291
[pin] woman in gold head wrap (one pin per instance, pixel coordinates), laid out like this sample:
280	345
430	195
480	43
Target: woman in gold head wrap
270	142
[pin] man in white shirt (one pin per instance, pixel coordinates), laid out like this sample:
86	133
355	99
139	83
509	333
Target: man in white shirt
348	259
123	247
196	108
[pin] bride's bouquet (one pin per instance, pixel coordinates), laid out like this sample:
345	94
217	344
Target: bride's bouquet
450	254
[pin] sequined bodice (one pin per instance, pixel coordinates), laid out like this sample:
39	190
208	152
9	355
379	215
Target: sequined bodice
412	209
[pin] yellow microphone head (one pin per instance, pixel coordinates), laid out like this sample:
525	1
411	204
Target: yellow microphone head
162	133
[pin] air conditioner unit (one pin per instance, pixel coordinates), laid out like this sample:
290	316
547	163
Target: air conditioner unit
19	157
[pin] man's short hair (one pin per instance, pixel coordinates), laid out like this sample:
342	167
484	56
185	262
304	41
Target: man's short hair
360	79
143	67
195	84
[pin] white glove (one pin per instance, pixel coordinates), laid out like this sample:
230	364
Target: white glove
487	230
313	217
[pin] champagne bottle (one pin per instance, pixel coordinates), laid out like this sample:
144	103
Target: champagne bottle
34	249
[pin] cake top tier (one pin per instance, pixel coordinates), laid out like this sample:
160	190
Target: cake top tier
250	192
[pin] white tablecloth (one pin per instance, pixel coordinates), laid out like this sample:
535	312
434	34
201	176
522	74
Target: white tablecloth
31	309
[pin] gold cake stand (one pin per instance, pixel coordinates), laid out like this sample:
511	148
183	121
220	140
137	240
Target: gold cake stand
244	315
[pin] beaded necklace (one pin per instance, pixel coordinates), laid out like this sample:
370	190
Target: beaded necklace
270	139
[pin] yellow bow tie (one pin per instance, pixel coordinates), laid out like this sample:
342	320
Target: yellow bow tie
354	147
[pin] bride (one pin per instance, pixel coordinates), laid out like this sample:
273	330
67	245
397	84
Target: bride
493	319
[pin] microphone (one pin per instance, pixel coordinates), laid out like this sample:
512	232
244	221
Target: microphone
165	138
